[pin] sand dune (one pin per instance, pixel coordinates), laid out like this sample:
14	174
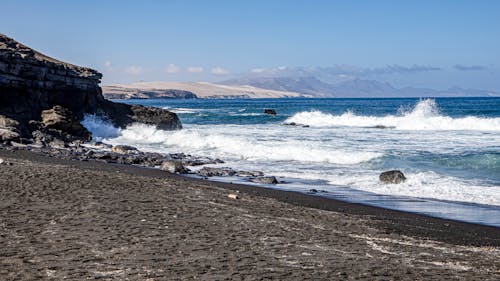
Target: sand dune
200	89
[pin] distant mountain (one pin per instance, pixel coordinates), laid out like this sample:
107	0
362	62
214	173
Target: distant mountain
304	85
354	88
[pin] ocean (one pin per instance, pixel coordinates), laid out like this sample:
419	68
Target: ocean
448	148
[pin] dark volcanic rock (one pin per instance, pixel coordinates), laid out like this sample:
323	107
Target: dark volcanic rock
270	111
216	172
60	118
265	180
393	176
173	166
31	82
124	149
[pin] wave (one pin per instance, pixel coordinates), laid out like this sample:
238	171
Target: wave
100	128
426	184
219	144
424	116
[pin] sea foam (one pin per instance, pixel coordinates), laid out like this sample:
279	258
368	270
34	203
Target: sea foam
424	116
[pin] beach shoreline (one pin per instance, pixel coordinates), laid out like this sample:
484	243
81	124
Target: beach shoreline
87	219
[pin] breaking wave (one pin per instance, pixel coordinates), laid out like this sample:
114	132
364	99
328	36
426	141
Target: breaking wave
424	116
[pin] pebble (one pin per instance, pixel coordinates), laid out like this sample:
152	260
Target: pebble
233	196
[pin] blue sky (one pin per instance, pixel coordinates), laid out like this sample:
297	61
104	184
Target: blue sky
213	40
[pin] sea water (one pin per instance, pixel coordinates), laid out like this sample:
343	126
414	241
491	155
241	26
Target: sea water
448	148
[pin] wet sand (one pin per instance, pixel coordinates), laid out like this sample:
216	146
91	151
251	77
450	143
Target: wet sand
73	220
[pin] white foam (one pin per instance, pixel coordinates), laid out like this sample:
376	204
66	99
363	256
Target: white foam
425	116
340	156
100	128
242	147
424	185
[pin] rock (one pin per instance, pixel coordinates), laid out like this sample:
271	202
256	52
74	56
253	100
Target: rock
31	82
8	129
101	145
173	166
57	143
265	180
382	127
216	172
312	191
393	176
2	161
290	124
122	115
249	173
198	161
124	149
6	122
60	118
270	111
233	196
7	135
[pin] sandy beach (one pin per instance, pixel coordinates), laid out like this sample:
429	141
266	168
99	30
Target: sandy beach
73	220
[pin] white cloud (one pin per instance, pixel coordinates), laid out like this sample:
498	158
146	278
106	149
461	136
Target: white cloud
258	70
134	70
172	68
195	69
219	71
107	64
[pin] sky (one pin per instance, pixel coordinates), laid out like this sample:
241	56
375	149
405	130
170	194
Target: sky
441	43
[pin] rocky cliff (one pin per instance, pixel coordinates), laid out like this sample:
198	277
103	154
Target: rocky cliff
31	82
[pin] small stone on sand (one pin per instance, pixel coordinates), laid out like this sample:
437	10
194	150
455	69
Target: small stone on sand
233	196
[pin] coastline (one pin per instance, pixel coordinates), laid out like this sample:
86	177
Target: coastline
87	219
396	221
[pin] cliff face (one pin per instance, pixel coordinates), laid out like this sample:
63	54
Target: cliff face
31	82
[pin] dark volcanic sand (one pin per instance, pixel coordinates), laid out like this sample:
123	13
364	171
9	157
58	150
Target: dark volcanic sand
87	220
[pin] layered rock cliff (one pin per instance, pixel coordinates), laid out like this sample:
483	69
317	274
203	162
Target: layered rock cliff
31	82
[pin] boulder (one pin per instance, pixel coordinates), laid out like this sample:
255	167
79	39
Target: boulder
60	118
6	122
122	115
265	180
8	129
7	135
249	173
124	149
393	176
173	166
216	172
270	111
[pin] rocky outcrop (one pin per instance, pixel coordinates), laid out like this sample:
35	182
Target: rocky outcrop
393	176
42	94
31	82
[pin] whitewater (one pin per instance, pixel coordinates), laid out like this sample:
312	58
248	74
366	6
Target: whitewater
449	149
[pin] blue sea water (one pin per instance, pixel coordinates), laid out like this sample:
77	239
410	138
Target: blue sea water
449	148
